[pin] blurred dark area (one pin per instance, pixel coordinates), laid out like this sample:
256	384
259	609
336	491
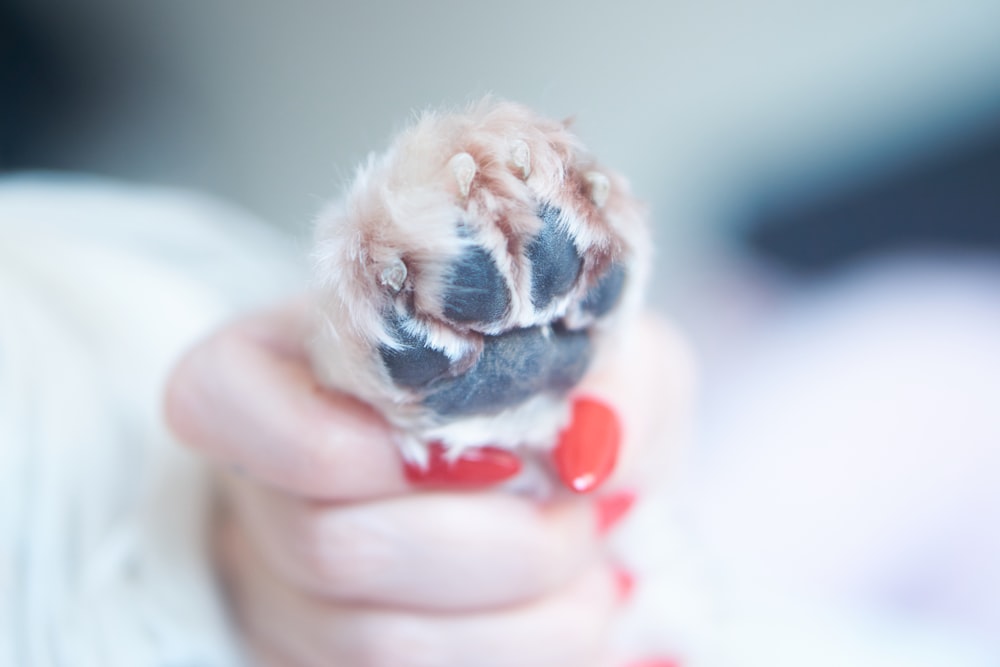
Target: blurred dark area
76	89
50	90
947	199
34	83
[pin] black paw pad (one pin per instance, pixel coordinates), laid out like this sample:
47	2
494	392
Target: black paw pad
514	367
555	263
603	296
414	365
476	290
570	361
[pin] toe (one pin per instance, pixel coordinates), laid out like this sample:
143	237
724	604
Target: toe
555	262
514	367
477	291
603	296
412	363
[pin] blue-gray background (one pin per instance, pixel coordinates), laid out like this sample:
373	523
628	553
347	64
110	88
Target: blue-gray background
720	112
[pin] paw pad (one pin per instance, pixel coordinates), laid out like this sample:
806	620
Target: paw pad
479	296
473	267
603	296
555	263
412	364
477	291
512	368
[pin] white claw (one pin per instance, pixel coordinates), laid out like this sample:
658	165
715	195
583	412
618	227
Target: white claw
600	187
520	157
393	276
464	168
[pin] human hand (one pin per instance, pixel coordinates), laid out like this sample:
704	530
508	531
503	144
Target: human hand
332	554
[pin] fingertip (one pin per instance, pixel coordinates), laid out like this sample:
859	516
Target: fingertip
611	509
182	399
587	450
476	467
624	583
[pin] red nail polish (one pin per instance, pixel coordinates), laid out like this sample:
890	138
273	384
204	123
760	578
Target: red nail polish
587	450
611	509
481	466
656	662
624	584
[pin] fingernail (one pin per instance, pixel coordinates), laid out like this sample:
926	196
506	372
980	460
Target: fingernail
611	509
587	450
481	466
624	584
656	662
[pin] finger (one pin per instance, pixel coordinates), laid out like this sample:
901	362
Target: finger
432	551
573	627
570	627
247	399
648	381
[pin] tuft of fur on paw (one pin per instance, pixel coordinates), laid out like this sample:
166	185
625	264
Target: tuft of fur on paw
471	275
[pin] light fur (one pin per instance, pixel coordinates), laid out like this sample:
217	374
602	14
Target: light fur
449	181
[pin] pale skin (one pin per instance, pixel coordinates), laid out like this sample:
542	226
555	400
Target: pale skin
329	556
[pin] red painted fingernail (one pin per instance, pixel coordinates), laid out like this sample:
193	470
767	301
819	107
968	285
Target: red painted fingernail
611	509
481	466
587	450
624	584
656	662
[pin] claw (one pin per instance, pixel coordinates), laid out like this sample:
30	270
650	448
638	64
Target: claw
393	276
520	157
600	186
464	168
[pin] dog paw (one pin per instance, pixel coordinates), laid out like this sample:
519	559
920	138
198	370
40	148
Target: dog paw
472	271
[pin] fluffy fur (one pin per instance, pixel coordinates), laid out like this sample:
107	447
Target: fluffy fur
488	169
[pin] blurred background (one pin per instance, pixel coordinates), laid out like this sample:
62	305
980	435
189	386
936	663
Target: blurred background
733	120
825	186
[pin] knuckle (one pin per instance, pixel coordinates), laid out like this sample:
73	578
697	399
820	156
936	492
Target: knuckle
341	555
311	463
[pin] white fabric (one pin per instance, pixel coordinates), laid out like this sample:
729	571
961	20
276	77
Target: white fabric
101	520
